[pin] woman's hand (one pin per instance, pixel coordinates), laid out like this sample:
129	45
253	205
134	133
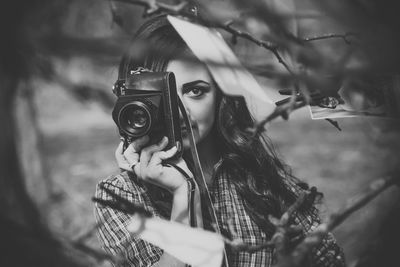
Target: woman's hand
146	162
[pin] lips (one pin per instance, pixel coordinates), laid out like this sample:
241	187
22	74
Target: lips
185	129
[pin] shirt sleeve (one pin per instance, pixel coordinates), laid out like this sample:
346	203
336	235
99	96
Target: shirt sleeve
112	230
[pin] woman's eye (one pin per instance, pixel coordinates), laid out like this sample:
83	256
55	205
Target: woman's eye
195	92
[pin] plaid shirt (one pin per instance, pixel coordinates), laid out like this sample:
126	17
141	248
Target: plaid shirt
229	207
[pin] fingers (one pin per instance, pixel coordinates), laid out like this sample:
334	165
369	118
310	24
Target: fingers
164	155
119	152
159	156
137	157
139	143
131	153
126	159
136	145
136	170
148	152
121	160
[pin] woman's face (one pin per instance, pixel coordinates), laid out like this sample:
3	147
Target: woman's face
198	94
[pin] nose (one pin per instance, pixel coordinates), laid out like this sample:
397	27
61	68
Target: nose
181	118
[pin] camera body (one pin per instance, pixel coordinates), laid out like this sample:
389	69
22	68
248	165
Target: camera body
147	104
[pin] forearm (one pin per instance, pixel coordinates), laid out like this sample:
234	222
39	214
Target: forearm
180	205
180	213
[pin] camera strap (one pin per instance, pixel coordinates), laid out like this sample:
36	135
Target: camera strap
199	176
191	192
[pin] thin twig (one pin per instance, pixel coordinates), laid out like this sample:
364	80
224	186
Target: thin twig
345	37
239	245
227	26
282	110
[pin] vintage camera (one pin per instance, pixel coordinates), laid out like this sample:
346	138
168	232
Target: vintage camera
147	104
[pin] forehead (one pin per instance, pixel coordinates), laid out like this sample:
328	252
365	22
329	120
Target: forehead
187	71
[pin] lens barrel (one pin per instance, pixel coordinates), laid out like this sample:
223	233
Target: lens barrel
135	119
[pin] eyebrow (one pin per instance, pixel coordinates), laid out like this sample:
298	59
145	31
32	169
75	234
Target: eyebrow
185	85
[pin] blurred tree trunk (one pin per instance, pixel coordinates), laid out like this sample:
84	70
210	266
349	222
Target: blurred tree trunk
15	202
26	240
30	144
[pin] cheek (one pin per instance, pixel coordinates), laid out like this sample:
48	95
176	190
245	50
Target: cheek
206	117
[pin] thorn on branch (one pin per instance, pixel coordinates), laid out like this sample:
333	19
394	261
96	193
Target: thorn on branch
334	123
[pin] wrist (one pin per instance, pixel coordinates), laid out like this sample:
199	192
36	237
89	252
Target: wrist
180	204
182	190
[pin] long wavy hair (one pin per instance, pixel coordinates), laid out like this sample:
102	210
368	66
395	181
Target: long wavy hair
250	163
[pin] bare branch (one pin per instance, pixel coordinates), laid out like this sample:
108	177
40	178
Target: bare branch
94	253
82	237
287	257
239	245
298	254
374	189
282	110
345	37
275	18
227	26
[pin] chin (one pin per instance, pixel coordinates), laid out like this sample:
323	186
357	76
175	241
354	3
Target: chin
186	141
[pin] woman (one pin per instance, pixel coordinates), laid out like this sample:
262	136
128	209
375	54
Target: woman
246	179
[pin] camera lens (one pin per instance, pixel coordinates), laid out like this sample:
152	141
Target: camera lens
135	119
138	119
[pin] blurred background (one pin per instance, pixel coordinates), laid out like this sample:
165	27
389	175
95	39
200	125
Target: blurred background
59	62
